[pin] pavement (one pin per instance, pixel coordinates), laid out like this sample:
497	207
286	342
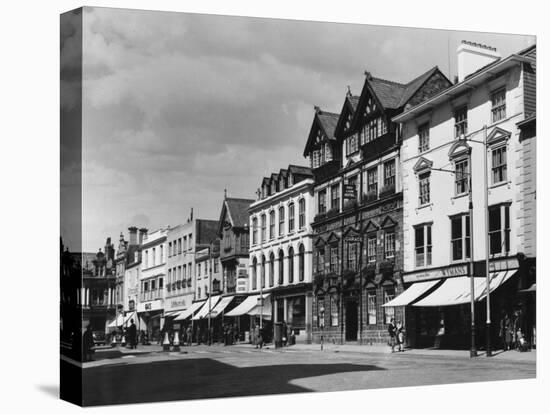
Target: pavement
121	376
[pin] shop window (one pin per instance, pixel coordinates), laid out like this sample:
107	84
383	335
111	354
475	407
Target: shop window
499	229
371	307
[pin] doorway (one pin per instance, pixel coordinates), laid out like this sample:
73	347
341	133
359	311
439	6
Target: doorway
351	320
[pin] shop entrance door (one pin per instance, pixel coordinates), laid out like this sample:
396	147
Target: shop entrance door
351	320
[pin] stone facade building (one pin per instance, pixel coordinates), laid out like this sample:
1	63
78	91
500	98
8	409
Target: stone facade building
355	158
281	248
485	119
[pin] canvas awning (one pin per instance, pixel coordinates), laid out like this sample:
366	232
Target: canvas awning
171	314
209	304
457	290
247	305
412	293
122	320
532	288
220	306
190	311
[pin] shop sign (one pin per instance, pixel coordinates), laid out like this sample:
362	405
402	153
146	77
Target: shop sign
150	306
350	191
502	265
451	271
353	239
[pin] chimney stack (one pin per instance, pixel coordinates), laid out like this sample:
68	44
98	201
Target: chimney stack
142	234
133	235
473	56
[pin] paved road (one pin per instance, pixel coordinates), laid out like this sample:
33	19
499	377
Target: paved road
216	372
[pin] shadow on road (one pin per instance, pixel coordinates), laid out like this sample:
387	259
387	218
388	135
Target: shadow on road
197	378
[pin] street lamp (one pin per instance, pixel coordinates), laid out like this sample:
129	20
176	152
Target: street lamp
473	351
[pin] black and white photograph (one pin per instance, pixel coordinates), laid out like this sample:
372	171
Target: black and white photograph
255	206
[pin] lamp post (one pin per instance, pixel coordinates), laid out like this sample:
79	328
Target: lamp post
210	294
473	350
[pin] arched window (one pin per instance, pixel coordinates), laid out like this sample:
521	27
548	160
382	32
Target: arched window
281	266
290	265
263	272
254	274
301	264
281	221
272	224
262	236
302	213
254	230
271	269
291	217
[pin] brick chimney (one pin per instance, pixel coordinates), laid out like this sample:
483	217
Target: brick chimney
473	56
142	234
133	235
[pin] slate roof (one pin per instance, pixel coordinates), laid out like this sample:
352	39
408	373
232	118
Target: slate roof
393	95
207	231
298	169
237	210
328	121
354	101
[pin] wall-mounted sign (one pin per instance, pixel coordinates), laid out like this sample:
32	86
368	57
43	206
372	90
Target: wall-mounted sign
350	191
450	271
150	306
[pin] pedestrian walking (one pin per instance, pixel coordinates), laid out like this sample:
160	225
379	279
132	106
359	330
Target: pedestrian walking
392	331
88	343
506	331
400	335
256	336
132	334
284	333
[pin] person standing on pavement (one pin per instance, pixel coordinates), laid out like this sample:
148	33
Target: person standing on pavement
132	334
88	343
392	331
400	336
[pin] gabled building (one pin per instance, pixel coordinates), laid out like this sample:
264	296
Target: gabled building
355	159
486	119
281	249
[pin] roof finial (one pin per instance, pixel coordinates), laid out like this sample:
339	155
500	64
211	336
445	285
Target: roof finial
259	193
225	193
349	90
368	75
317	109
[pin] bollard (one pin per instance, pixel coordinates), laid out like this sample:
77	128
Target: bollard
176	342
166	342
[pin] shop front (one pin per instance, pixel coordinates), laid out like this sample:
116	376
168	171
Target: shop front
151	313
248	313
438	304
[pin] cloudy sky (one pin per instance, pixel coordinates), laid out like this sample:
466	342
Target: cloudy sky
178	107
